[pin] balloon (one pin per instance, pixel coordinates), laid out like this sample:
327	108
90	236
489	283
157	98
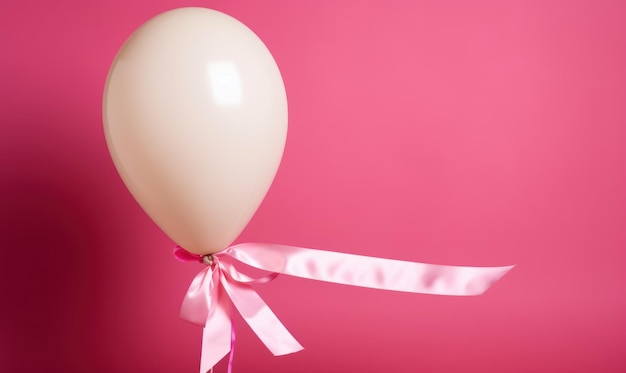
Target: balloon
195	119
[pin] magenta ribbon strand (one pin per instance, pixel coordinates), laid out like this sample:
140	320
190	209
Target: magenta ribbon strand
213	290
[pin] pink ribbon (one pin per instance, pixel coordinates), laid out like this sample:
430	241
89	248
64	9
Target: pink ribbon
207	301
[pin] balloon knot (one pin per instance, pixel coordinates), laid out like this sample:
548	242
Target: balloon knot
208	259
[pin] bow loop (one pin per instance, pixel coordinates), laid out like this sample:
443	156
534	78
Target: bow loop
201	297
185	256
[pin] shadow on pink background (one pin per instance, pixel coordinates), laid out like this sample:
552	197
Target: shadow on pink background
452	132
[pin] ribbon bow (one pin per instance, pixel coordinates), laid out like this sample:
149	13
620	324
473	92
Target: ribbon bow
207	301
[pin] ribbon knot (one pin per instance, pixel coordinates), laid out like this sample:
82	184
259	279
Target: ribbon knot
220	285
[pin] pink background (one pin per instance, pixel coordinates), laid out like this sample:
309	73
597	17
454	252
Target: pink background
454	132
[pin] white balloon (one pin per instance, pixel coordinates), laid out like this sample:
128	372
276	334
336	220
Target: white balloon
195	118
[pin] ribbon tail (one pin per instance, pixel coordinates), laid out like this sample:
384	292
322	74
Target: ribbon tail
216	335
369	272
260	318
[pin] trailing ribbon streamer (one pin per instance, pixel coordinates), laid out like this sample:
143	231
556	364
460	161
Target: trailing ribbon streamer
206	302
